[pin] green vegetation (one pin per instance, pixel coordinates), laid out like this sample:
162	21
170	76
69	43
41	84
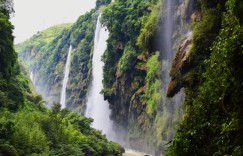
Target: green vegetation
82	33
42	38
35	131
135	92
212	77
36	53
46	52
153	91
125	21
150	25
29	128
99	3
7	56
127	60
212	123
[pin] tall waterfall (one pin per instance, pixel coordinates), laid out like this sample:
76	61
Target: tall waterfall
65	79
168	29
97	107
174	28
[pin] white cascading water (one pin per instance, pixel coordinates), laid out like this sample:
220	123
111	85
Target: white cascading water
65	79
173	31
32	76
97	107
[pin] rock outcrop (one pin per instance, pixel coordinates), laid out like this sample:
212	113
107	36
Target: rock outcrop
179	66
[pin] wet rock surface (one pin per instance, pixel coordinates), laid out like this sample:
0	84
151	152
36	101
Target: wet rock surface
179	67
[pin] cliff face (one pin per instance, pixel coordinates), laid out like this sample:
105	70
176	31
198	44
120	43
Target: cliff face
151	54
45	55
204	65
46	52
179	66
27	127
136	76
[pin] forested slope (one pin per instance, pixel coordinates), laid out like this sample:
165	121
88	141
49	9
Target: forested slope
207	65
135	64
46	54
212	122
27	127
143	82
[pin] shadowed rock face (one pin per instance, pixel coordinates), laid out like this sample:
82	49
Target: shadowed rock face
179	67
196	16
181	57
126	97
179	73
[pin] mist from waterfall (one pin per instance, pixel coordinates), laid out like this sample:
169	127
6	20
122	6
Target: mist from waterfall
97	107
173	29
65	79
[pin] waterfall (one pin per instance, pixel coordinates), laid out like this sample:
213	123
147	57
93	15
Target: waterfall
65	79
167	42
173	29
32	76
168	29
97	107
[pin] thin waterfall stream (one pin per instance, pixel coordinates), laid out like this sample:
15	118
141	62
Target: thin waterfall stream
65	79
32	76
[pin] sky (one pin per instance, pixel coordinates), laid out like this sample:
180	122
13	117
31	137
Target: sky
32	16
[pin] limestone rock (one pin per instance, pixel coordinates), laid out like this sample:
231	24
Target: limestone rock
196	16
33	52
179	66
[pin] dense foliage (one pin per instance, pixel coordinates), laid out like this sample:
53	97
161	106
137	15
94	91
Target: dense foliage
29	128
37	54
80	71
212	77
135	92
46	53
100	3
128	23
32	130
125	20
153	84
212	123
11	95
7	56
